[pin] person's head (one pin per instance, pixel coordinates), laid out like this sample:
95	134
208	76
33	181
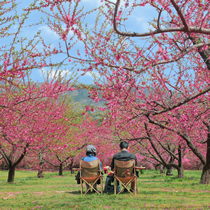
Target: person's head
91	150
123	145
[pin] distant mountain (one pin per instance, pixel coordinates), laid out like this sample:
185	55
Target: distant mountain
81	95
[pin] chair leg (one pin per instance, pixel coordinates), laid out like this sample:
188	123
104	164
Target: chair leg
125	186
90	186
94	188
115	186
81	186
101	180
136	185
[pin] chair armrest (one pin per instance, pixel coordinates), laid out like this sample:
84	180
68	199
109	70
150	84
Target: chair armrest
77	169
111	172
139	167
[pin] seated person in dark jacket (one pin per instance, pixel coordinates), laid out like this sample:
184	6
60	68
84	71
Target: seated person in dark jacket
124	155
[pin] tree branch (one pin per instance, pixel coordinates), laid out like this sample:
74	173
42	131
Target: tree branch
22	155
50	163
153	145
8	162
180	15
184	136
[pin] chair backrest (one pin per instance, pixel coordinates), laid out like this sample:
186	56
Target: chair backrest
90	169
124	169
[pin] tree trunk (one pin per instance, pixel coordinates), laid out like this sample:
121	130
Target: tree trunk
156	166
11	165
205	177
40	173
61	170
11	174
41	165
72	171
180	172
4	166
169	168
71	167
169	171
161	169
180	169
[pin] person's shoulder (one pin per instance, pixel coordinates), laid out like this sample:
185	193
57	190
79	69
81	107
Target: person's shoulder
116	155
132	155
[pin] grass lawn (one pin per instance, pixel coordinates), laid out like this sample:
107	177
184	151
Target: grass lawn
156	191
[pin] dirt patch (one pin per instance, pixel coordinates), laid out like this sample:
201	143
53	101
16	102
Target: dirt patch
38	193
11	195
60	191
69	185
177	190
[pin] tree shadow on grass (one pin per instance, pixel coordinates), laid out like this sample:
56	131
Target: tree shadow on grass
75	192
78	192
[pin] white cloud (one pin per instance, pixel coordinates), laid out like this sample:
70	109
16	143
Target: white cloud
146	27
144	24
70	32
67	73
93	74
97	2
52	34
47	31
55	73
139	19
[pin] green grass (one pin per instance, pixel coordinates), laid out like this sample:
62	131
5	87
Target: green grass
156	191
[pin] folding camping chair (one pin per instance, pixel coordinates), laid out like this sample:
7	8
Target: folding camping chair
125	173
90	173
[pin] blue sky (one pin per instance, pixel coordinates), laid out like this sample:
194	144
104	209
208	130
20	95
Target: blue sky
137	22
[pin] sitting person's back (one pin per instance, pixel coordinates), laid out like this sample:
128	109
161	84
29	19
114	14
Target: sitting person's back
91	156
124	155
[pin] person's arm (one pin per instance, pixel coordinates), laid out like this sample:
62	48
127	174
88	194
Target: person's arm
137	172
112	164
101	166
135	161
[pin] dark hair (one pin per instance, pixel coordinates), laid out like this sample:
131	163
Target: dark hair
91	153
124	145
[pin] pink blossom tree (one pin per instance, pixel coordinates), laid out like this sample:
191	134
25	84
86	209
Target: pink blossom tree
156	79
62	154
29	120
151	75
